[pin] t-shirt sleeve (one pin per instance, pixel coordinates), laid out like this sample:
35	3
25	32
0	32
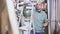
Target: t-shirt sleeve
45	19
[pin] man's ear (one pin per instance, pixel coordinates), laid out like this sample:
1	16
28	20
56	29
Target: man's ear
36	6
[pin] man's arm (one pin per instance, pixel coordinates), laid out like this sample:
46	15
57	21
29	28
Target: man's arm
45	21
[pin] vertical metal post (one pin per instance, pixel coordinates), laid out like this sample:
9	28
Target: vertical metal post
48	1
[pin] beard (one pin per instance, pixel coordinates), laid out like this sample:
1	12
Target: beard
38	10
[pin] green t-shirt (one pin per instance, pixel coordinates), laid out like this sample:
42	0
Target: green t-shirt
39	19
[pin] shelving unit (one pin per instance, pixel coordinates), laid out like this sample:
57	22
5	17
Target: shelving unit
26	26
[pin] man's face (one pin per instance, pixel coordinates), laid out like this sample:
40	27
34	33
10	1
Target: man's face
38	6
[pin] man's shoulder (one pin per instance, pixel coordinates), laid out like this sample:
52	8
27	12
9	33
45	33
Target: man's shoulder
43	12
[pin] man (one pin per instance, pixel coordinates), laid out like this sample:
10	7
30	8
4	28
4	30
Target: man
40	19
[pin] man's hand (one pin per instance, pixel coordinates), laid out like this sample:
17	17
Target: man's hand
45	24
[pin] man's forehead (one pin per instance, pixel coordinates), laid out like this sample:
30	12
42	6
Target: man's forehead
39	4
